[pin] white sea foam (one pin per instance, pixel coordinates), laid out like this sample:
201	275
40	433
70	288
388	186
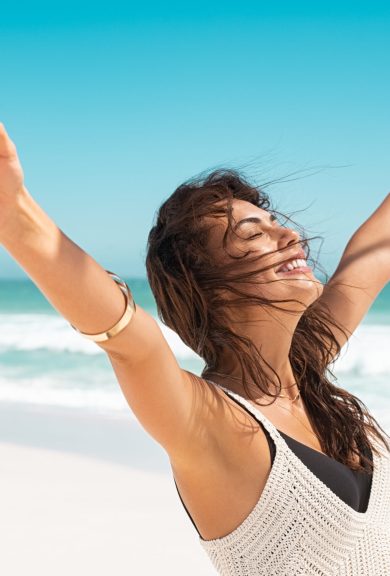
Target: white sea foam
363	367
27	332
367	352
44	391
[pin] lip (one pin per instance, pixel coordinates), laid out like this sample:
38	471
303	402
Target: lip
301	255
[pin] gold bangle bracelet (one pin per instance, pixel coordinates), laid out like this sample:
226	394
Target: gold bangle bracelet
122	322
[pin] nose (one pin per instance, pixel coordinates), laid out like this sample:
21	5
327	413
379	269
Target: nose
289	236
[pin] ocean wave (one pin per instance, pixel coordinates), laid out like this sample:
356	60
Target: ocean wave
27	332
44	391
367	351
88	382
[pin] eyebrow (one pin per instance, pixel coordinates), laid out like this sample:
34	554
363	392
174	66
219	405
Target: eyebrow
254	219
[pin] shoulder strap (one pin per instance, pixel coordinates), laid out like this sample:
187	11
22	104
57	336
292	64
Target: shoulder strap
256	413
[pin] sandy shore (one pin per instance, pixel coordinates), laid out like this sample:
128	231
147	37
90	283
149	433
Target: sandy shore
86	495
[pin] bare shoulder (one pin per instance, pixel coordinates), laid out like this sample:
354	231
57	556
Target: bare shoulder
220	428
202	436
221	475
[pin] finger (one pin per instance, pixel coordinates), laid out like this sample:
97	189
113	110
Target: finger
7	147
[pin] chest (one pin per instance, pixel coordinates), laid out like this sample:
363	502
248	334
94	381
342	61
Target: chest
220	491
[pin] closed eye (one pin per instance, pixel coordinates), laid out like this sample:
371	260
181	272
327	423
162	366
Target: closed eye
272	218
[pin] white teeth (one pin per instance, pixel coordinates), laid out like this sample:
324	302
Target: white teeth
293	264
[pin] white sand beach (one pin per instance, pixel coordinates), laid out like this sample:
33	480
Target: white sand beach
65	512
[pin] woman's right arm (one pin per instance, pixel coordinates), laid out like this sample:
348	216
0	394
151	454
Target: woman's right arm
159	392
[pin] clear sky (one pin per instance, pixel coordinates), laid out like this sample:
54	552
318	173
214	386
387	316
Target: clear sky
112	105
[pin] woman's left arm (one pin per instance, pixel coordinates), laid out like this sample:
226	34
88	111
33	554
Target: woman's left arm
363	271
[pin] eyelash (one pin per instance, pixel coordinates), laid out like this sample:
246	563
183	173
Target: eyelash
259	233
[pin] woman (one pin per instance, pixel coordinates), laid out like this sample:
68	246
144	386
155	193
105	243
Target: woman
281	471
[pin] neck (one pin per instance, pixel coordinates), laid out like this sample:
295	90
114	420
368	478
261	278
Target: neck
272	337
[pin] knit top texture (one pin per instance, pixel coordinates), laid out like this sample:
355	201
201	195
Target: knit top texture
300	527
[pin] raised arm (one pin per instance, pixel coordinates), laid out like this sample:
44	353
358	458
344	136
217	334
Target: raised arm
362	273
158	391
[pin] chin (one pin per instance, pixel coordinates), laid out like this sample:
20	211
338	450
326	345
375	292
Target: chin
308	290
314	290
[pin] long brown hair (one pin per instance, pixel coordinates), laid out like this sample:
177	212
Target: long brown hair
190	289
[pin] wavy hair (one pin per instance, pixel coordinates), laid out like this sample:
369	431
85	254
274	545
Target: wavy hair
190	288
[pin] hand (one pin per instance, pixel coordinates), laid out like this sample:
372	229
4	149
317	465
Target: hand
11	178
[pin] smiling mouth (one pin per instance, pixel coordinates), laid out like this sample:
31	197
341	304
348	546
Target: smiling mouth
296	266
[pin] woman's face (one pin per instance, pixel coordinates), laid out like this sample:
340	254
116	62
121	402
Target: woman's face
258	232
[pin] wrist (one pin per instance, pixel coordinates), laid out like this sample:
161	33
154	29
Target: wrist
11	213
22	222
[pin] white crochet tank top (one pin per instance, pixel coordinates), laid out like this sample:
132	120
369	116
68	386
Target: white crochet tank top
300	527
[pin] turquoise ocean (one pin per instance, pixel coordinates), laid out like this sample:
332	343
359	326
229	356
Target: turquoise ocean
44	362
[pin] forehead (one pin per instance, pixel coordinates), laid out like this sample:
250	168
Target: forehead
240	209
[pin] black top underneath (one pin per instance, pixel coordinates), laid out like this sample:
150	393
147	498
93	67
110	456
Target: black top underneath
351	486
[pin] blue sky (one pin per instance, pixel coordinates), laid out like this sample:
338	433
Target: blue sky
113	105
